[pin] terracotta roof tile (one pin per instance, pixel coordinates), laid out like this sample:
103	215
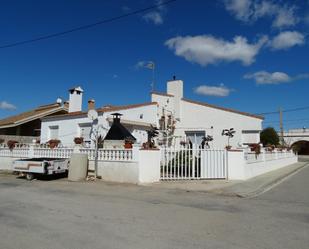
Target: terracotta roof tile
27	115
105	109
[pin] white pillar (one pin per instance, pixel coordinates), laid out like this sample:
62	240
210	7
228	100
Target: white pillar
135	152
149	166
31	151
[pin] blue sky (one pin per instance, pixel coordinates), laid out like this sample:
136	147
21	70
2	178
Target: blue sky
243	54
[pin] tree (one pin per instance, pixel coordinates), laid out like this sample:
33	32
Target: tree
269	136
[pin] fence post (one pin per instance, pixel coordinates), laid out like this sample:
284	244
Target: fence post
135	152
149	166
77	148
31	151
263	152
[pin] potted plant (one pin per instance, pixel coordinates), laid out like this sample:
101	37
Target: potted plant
229	133
228	147
78	140
11	144
128	144
53	143
151	134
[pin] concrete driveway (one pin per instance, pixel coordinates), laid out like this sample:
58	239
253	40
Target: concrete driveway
58	214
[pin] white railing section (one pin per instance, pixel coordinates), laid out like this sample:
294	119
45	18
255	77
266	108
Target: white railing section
109	154
252	157
53	153
192	164
28	151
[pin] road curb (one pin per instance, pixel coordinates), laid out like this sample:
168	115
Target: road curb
274	183
264	188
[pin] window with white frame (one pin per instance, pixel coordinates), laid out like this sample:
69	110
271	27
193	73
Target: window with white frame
85	130
54	132
195	137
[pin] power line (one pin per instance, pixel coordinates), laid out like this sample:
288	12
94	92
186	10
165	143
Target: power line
286	121
287	110
88	26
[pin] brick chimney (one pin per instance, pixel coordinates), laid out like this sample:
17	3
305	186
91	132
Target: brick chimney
91	104
66	104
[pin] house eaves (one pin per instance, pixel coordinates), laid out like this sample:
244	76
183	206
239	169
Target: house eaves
130	122
33	117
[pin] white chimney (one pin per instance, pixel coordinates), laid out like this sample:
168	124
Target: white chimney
76	99
175	88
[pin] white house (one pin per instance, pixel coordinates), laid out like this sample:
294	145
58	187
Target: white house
194	120
136	118
178	119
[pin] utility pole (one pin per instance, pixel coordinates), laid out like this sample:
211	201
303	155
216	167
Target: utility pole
281	126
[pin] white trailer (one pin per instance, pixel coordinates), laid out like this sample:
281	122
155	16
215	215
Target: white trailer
32	167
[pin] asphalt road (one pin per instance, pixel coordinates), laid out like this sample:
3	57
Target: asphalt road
58	214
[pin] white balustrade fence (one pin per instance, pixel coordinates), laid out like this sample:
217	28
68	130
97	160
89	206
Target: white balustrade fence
53	153
109	154
192	164
28	151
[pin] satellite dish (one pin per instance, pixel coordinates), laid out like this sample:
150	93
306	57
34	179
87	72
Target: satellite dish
93	115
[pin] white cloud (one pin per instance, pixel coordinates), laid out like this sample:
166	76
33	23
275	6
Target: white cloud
240	8
206	49
218	91
6	106
287	39
264	77
156	16
144	64
283	15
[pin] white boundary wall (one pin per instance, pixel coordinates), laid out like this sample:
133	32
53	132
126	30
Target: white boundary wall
143	166
241	167
126	166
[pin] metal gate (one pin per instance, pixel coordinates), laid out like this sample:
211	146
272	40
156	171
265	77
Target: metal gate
193	164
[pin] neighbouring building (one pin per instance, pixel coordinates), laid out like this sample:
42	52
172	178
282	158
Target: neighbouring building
26	127
179	120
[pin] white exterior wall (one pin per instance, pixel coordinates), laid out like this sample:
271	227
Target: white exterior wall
175	87
69	125
164	102
68	128
202	118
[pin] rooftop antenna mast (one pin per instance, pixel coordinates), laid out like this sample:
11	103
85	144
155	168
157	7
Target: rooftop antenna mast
151	65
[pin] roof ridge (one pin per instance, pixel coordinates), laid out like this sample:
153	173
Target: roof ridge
26	115
120	107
